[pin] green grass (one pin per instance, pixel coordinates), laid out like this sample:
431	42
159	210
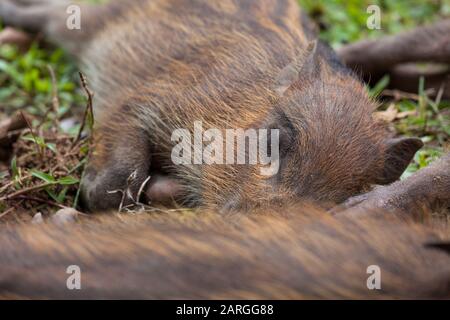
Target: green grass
344	21
26	84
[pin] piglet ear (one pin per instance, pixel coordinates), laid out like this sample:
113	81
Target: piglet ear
399	154
302	65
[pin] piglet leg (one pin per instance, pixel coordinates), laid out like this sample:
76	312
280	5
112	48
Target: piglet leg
427	190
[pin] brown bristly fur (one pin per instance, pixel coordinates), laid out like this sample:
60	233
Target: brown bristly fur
218	63
298	252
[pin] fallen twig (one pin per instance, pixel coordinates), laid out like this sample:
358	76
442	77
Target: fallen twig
39	150
49	202
9	184
89	108
399	95
25	191
55	99
6	212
